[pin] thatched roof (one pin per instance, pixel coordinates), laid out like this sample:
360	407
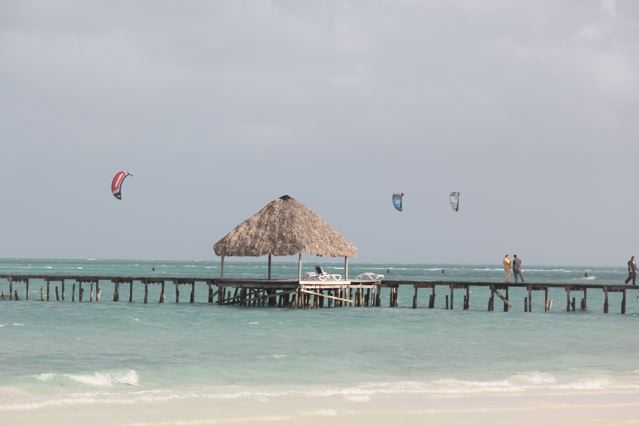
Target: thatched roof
284	227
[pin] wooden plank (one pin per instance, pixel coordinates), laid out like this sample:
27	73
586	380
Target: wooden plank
503	298
325	295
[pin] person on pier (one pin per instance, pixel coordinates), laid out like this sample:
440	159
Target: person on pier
517	269
632	270
507	264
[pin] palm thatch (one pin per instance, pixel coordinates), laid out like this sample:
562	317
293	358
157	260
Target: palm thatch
284	227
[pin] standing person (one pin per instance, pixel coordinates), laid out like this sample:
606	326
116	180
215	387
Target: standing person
507	264
632	270
517	268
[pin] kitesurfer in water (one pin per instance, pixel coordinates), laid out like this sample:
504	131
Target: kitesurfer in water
507	263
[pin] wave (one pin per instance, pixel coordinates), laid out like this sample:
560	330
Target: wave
100	379
532	382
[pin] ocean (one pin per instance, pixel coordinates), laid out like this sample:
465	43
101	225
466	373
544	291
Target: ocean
64	358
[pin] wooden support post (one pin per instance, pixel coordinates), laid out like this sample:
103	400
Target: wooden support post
98	292
80	292
10	288
506	304
529	299
73	293
447	302
15	295
48	288
467	303
116	291
526	304
91	292
492	298
546	299
192	300
415	298
210	299
41	294
452	294
572	304
242	296
567	299
378	302
431	302
177	292
623	303
605	300
57	296
26	290
63	290
131	291
585	300
162	292
146	292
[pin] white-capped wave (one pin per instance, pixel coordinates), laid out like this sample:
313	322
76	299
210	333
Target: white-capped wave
44	376
533	378
129	377
18	324
592	384
360	393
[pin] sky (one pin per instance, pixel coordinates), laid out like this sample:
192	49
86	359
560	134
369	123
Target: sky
529	109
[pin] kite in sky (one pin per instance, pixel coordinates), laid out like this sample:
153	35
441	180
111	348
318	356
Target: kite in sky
397	201
454	200
116	184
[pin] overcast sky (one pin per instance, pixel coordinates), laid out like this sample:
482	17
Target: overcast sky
529	109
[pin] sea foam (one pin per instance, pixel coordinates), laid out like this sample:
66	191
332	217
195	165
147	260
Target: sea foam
99	379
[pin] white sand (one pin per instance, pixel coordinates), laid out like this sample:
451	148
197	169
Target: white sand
495	409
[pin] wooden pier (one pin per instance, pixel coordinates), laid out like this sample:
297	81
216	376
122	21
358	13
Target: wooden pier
310	294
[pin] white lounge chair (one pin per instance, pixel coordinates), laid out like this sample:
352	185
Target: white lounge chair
370	276
324	276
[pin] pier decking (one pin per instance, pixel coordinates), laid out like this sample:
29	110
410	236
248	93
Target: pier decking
307	294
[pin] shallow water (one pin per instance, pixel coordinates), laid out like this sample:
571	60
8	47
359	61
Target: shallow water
71	353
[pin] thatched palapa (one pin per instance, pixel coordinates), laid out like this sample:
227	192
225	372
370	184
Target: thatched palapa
284	227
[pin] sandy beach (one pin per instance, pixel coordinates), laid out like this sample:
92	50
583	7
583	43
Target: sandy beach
557	409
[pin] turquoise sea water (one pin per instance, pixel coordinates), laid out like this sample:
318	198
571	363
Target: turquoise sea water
64	353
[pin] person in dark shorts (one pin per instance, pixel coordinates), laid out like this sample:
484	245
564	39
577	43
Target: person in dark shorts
517	268
632	270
